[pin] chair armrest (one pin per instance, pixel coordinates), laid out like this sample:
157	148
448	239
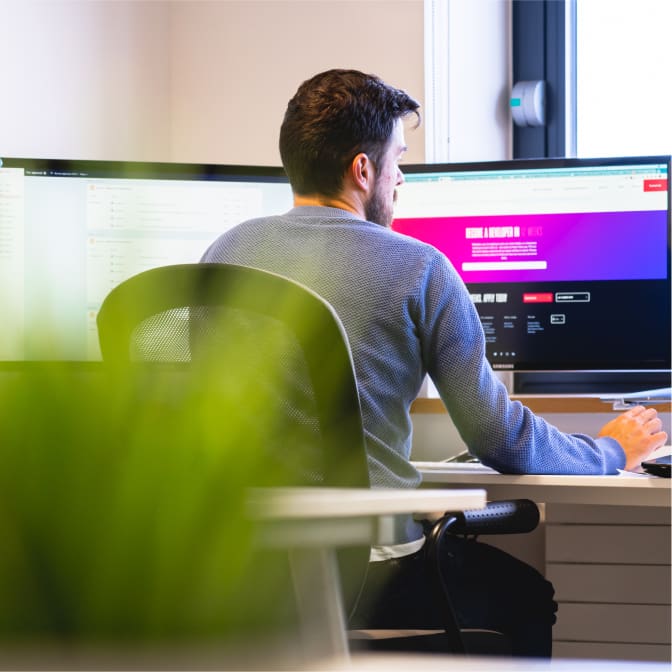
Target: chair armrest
516	516
502	517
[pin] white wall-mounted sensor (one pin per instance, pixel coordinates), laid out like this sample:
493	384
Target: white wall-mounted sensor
528	103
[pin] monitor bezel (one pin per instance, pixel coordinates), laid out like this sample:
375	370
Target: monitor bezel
143	169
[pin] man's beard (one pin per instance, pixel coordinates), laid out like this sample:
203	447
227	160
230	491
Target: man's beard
379	210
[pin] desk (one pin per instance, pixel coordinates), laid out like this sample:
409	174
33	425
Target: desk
400	662
312	522
606	549
624	489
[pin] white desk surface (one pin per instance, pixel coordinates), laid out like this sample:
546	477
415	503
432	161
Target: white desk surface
314	517
312	522
316	502
451	663
624	489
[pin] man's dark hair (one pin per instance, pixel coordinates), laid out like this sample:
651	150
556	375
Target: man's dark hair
334	116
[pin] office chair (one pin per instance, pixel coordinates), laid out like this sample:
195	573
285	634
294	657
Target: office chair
275	352
271	358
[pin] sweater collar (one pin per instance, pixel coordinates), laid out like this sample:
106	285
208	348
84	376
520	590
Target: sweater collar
324	211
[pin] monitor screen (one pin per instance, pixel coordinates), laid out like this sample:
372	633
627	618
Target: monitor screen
567	260
72	230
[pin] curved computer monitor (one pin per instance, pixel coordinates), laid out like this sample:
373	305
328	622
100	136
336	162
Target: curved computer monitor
567	260
72	230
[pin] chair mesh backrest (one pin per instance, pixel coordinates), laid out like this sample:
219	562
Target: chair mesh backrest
274	355
162	338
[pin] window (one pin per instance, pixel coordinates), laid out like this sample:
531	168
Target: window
623	92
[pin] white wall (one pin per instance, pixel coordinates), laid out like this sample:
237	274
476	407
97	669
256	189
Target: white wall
468	74
479	80
84	80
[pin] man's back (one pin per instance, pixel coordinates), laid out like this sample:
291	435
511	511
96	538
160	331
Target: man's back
374	279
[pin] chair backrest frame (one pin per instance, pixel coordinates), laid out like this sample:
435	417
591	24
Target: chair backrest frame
313	322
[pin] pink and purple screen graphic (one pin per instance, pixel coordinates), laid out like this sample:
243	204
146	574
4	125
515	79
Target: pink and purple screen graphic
549	247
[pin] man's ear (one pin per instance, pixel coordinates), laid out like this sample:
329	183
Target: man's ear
361	172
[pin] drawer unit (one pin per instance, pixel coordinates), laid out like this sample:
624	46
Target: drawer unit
611	571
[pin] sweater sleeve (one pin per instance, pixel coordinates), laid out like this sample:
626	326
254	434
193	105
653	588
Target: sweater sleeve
503	434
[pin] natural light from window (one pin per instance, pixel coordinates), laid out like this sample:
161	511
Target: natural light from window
624	90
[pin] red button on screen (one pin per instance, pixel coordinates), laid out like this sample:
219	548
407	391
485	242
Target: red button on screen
655	185
543	297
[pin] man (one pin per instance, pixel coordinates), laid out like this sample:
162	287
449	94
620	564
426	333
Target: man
408	314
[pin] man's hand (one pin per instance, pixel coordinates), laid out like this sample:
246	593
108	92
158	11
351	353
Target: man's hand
639	431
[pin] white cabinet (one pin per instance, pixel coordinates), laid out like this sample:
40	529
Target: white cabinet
611	569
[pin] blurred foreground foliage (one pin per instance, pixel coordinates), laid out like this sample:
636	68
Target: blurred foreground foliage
122	508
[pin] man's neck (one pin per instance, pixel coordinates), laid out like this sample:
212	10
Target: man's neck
340	202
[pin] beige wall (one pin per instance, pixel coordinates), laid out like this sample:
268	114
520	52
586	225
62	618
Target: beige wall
188	80
208	80
236	63
435	437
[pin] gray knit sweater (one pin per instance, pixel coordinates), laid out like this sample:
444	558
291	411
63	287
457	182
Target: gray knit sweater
407	313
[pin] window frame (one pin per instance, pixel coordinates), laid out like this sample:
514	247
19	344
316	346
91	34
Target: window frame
543	48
